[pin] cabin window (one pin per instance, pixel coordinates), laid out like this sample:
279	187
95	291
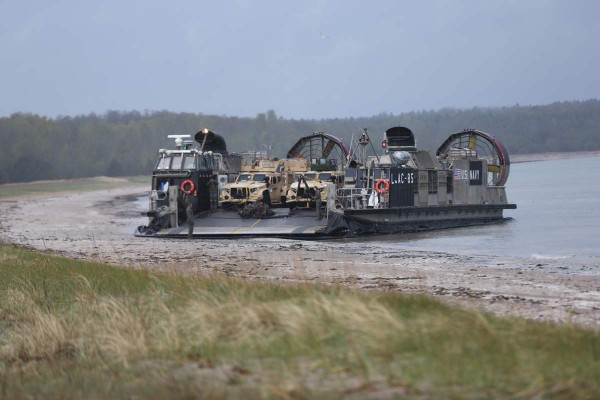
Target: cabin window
189	162
177	160
163	163
325	176
310	175
244	177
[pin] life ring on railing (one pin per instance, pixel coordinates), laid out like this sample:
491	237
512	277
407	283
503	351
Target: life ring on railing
385	188
188	186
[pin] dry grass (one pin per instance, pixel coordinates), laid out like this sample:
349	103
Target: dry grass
75	329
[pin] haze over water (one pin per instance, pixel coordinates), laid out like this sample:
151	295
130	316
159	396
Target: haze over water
557	217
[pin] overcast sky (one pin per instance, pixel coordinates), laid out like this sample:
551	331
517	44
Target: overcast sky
304	59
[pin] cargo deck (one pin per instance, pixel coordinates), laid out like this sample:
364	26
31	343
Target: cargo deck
228	224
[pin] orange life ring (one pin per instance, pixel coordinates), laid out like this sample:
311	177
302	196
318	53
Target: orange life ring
385	188
188	186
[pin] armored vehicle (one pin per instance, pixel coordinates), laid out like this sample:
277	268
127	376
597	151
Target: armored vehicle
302	192
262	179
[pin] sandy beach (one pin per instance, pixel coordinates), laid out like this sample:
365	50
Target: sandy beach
99	226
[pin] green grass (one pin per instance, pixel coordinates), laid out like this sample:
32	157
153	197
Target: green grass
72	329
69	185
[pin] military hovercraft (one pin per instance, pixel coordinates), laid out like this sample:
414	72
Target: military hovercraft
403	189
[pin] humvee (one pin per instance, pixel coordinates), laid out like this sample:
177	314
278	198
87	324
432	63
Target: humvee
301	192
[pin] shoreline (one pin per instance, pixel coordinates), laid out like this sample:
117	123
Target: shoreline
99	226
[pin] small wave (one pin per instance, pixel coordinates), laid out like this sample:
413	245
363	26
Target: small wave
551	256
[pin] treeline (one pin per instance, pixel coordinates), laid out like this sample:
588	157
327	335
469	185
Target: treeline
125	143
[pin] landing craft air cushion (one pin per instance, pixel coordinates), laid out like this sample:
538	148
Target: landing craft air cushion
404	189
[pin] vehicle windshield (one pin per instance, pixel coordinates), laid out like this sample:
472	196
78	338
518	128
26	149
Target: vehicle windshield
244	177
259	177
310	175
325	176
297	176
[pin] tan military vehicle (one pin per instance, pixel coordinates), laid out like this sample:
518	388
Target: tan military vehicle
265	180
301	193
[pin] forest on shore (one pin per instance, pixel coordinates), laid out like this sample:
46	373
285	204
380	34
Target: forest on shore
125	143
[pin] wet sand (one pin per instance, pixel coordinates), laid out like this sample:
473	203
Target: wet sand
99	226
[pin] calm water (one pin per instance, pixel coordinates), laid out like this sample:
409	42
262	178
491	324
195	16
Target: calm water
557	217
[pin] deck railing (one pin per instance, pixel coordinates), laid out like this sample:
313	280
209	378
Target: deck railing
360	198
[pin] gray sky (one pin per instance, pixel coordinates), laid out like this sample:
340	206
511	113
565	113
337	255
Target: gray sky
304	59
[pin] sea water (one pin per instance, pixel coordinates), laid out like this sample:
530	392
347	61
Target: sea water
557	217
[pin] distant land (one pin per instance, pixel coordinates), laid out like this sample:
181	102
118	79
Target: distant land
124	143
